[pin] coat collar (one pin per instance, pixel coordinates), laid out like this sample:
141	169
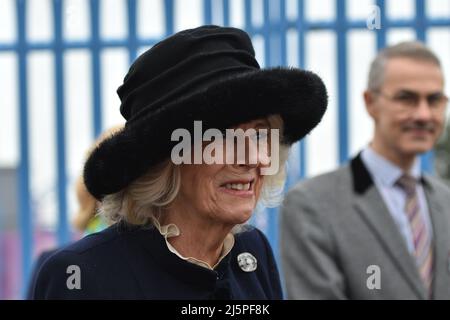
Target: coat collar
360	175
387	172
370	205
362	180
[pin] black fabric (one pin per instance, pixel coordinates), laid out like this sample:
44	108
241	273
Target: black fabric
361	176
362	179
124	262
37	266
210	74
184	64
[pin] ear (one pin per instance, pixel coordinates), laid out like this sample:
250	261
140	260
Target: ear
370	102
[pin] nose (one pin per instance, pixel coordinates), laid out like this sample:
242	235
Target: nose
256	155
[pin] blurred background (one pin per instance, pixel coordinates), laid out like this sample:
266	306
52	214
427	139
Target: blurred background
61	62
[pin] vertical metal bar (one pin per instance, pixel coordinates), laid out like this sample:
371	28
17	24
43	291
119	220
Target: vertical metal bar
24	199
427	159
62	229
274	31
226	12
381	33
420	20
267	34
132	39
342	80
283	33
95	58
248	17
301	61
169	12
207	11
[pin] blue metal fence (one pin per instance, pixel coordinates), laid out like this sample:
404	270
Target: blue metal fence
273	30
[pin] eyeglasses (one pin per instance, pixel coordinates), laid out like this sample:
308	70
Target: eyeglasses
409	100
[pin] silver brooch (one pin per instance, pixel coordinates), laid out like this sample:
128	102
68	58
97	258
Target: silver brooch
247	262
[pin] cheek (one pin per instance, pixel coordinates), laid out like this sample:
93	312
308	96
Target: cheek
199	195
205	189
440	124
196	180
258	186
392	124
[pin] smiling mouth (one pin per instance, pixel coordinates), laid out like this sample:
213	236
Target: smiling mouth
239	185
420	131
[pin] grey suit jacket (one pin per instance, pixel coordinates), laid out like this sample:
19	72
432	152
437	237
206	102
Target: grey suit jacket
334	227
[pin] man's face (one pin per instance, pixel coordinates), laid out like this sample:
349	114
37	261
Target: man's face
409	108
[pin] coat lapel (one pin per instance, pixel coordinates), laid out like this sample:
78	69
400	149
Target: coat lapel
441	239
370	205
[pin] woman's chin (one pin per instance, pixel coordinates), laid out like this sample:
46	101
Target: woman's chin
239	216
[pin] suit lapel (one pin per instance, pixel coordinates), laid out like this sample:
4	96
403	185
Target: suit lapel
370	205
441	240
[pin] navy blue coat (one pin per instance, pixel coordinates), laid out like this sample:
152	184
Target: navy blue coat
125	262
37	266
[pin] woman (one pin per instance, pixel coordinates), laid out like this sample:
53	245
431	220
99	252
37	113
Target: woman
177	231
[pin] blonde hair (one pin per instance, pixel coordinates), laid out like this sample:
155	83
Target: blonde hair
87	204
144	197
147	196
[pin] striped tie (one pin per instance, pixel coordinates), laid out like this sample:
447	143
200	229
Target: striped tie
423	250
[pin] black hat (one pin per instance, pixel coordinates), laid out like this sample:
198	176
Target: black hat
210	74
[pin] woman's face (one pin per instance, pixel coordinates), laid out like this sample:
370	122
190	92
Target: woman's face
226	193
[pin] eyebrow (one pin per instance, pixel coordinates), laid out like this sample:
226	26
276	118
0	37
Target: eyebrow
407	91
260	124
263	123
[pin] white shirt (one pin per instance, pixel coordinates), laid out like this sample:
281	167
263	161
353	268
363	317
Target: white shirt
385	175
171	230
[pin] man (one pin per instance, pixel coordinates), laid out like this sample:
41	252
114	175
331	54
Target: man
378	228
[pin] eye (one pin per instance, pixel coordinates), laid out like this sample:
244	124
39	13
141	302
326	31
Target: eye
260	135
436	100
406	99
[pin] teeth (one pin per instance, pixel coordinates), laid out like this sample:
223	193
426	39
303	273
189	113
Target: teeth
238	186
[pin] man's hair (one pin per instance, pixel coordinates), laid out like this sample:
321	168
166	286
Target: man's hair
411	49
